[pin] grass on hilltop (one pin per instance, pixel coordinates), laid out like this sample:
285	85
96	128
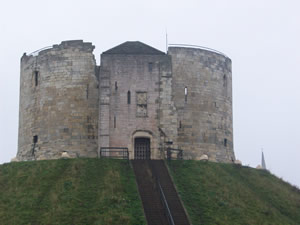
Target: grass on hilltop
72	191
225	194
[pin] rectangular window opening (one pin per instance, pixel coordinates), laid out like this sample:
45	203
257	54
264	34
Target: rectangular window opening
150	66
35	139
225	142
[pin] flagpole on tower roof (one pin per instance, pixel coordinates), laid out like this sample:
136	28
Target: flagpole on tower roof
166	40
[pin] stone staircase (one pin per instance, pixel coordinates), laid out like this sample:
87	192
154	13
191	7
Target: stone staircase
155	185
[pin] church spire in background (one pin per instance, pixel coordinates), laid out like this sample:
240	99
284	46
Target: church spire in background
263	163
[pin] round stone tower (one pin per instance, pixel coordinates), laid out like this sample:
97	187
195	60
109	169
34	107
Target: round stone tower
58	102
202	93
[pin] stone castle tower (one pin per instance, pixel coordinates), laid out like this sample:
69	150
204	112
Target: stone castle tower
139	98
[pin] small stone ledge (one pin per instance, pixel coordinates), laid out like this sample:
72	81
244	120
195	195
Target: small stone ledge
86	46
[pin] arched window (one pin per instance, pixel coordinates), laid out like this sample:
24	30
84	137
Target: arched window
185	94
116	85
128	97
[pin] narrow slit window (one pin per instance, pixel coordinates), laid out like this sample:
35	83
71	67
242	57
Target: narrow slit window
36	78
225	142
180	125
116	85
115	121
87	91
128	97
185	94
224	81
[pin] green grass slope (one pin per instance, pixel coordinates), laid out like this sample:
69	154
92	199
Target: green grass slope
216	193
73	191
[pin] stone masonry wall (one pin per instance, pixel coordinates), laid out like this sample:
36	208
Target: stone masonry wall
58	103
140	75
168	117
179	100
202	91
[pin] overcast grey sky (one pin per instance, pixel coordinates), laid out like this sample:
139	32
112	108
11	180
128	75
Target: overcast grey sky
260	36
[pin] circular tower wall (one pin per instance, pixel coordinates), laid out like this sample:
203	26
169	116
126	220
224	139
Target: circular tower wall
58	102
202	93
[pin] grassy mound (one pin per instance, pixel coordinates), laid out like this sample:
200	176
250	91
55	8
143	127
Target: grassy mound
73	191
215	193
94	191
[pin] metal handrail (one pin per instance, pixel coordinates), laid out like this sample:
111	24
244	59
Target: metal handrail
105	152
199	47
162	196
35	53
171	150
169	215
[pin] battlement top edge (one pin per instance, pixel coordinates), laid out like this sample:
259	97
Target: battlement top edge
86	46
196	47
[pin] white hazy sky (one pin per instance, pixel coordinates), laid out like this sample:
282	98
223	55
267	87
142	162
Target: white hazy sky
260	36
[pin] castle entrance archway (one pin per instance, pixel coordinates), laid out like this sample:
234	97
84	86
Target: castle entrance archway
141	148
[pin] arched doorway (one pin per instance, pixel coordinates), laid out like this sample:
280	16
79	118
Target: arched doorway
142	148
